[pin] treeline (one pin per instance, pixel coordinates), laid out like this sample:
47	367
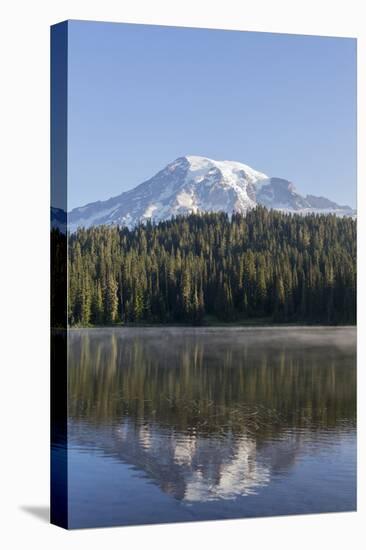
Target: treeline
202	268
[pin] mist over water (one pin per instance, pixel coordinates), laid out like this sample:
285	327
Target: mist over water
176	424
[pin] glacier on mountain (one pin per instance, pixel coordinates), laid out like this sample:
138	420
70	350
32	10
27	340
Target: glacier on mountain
193	184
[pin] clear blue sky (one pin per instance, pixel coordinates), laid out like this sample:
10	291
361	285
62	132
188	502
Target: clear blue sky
141	96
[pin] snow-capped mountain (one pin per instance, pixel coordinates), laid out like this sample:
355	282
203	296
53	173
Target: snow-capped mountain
194	184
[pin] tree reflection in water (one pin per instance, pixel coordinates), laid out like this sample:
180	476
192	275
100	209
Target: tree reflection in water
209	413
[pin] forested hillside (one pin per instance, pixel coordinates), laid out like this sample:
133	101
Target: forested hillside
213	267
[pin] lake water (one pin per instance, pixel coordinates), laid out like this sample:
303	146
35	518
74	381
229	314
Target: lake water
185	424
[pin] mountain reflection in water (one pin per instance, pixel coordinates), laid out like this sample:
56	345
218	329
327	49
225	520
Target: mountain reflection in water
211	415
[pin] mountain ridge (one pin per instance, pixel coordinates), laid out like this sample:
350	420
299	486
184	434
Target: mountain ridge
193	184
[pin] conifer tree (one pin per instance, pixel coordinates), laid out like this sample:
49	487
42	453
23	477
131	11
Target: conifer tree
110	300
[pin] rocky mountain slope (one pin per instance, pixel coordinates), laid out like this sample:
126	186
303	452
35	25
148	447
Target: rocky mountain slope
193	184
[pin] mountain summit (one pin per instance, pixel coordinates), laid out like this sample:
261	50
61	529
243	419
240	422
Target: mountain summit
193	184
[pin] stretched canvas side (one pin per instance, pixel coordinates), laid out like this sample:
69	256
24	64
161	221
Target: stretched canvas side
59	492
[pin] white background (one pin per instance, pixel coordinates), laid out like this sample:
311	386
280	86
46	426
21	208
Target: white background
24	305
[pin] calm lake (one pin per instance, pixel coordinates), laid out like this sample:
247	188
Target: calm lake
184	424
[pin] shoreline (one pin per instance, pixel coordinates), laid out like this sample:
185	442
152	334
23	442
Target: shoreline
213	327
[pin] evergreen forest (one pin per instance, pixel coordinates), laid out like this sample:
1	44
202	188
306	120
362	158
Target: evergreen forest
264	267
